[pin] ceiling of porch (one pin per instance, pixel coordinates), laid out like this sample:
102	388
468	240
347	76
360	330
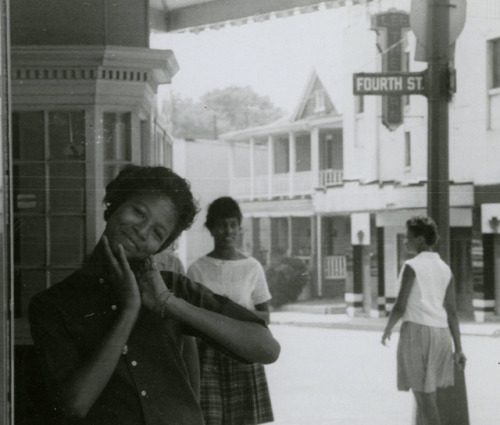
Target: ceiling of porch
197	15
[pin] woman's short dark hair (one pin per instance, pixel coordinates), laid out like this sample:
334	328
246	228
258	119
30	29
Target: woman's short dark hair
421	225
221	208
135	180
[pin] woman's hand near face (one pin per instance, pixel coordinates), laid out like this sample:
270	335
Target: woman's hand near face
152	287
124	281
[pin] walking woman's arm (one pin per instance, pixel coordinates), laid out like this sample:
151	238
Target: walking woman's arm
451	311
401	302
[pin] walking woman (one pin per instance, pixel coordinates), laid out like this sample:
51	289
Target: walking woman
232	393
109	337
426	305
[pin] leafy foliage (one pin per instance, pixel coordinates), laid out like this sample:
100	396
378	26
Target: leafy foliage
286	278
220	111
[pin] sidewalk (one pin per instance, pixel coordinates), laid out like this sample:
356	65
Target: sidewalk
332	315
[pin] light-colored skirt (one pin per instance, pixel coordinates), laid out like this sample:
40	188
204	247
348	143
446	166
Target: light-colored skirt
425	358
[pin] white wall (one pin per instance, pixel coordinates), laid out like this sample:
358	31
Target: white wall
205	164
474	148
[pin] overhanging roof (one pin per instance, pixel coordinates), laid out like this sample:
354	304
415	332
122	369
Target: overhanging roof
196	15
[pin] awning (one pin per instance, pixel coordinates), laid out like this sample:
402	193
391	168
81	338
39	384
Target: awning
198	15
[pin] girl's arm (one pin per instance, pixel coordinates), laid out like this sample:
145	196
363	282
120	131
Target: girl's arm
191	359
262	310
246	339
451	312
401	302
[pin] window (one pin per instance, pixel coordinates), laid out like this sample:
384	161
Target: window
407	149
303	153
495	63
49	199
116	143
281	153
319	101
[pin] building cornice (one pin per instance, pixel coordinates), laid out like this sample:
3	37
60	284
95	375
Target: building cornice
126	64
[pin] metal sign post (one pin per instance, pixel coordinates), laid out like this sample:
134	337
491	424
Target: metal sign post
438	191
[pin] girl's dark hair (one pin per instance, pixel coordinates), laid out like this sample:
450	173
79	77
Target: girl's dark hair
421	225
135	180
224	207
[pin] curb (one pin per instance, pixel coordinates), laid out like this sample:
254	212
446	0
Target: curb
491	330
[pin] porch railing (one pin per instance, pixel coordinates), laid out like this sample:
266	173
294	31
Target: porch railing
330	177
334	267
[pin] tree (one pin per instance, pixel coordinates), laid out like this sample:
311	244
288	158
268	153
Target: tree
219	111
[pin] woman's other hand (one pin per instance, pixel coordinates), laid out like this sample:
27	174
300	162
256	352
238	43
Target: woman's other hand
123	280
153	290
386	337
460	359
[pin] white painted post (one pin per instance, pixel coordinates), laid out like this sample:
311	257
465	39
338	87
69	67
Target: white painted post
290	237
270	166
252	168
319	257
230	153
291	163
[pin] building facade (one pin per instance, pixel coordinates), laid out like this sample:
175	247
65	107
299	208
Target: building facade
334	186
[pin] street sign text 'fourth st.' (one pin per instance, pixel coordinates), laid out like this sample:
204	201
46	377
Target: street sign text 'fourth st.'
389	83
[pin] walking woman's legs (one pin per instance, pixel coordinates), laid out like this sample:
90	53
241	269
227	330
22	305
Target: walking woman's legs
427	408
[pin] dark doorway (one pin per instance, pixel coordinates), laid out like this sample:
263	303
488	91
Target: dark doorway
461	266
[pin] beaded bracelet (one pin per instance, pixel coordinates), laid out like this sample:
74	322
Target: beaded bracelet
163	298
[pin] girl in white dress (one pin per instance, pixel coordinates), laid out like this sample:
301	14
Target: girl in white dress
232	393
426	305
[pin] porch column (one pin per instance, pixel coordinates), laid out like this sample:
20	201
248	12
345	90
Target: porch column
290	236
319	255
315	157
378	298
252	168
291	163
230	161
483	273
358	288
270	166
313	257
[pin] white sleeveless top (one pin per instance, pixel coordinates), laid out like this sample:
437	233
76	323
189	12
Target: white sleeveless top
425	302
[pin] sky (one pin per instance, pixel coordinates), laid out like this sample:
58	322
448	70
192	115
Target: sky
274	57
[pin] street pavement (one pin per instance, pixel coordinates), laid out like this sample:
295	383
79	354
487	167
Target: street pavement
334	371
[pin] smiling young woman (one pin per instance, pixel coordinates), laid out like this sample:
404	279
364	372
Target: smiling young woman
110	337
232	393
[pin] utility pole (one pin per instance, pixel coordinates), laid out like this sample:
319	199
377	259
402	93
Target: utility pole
438	191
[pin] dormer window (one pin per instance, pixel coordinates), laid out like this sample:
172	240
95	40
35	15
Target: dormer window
319	101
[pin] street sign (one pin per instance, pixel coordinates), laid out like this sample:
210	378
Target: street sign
389	83
419	21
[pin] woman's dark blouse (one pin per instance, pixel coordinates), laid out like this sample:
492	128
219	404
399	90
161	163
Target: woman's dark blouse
150	384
